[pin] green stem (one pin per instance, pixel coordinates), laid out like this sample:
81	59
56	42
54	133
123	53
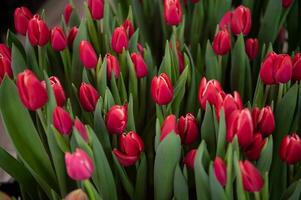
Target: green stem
41	55
280	92
291	173
88	187
164	109
266	94
257	195
42	119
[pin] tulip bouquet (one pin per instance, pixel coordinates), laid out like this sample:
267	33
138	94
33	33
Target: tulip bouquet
155	99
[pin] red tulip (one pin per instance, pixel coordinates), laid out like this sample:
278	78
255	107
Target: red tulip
252	47
251	178
297	67
77	194
287	3
119	40
116	119
211	92
162	89
128	27
5	51
290	149
181	61
232	103
87	54
276	69
172	12
31	91
88	97
79	165
140	65
80	127
22	16
225	22
58	39
96	8
220	170
131	145
5	62
67	13
241	21
265	121
38	32
62	121
71	36
169	125
240	123
222	42
57	89
190	158
188	129
140	48
112	66
253	151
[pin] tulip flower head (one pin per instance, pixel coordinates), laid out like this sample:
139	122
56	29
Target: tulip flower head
80	127
232	103
139	64
222	42
71	36
128	27
220	170
188	129
169	125
22	16
162	89
225	22
297	67
58	39
57	89
88	97
131	145
254	149
31	91
112	66
190	158
96	8
119	39
62	121
264	120
67	12
116	119
241	21
290	149
172	12
287	3
78	194
5	62
79	165
252	48
251	178
87	54
38	32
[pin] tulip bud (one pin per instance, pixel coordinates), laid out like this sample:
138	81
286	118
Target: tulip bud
162	89
252	47
139	64
79	165
190	158
297	67
5	51
181	61
287	3
112	66
119	40
220	170
225	22
265	121
5	62
172	12
276	69
57	89
38	32
290	149
128	27
140	48
87	55
71	36
31	91
188	129
169	125
253	151
232	103
240	123
62	121
210	91
241	21
22	16
222	42
116	119
96	8
131	145
58	39
78	194
80	127
67	13
88	97
251	178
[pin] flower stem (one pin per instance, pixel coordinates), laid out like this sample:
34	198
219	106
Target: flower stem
88	187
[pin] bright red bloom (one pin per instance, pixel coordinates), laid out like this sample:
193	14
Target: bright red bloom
80	127
232	103
67	13
62	121
225	22
71	36
139	64
31	91
251	178
131	145
190	158
96	8
119	40
162	89
87	54
38	32
128	27
220	170
58	39
241	21
112	66
188	129
287	3
5	62
253	151
222	42
22	16
290	149
264	121
116	119
58	90
169	125
297	67
88	97
252	48
172	12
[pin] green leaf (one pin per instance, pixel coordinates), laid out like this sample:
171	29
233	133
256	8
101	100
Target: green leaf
141	179
293	192
101	77
167	157
208	130
18	61
265	159
217	191
131	120
134	41
213	69
221	140
180	185
239	186
12	39
24	136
